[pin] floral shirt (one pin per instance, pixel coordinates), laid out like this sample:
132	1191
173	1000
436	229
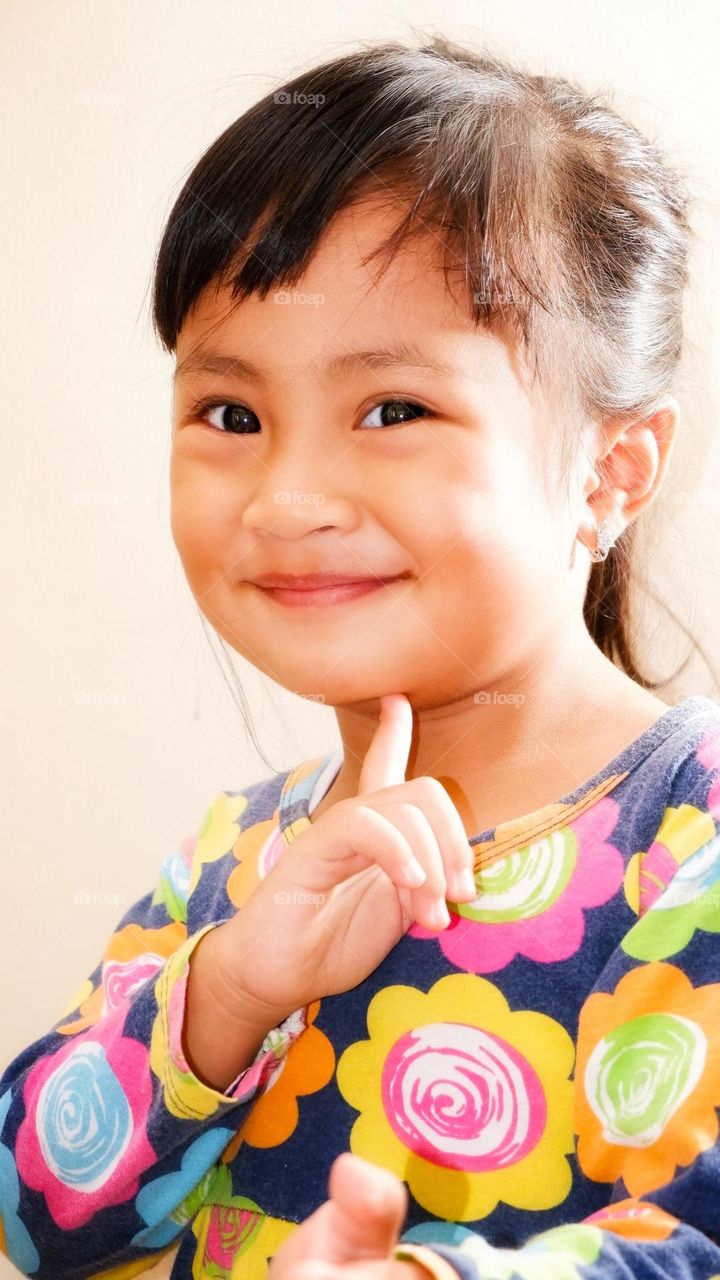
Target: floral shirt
544	1074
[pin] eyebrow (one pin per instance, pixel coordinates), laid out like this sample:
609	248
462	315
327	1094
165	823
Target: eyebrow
403	354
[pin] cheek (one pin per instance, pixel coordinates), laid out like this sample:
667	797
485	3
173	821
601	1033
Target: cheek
464	532
491	557
203	521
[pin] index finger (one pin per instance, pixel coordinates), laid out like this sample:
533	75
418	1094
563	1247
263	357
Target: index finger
386	759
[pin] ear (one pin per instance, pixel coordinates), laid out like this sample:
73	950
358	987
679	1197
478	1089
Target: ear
627	468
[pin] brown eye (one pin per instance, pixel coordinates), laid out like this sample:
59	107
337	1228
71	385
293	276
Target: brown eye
400	411
235	419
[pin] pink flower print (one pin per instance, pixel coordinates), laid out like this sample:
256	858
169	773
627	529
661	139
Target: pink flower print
83	1141
708	753
531	901
122	979
462	1097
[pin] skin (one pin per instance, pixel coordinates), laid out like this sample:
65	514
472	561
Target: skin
464	498
353	1234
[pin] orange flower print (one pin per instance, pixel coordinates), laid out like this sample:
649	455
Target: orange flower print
306	1068
263	843
132	955
466	1100
256	851
635	1220
645	1102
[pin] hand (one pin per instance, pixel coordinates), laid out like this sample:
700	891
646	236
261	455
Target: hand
352	1235
339	898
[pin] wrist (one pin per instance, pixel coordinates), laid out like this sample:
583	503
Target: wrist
229	989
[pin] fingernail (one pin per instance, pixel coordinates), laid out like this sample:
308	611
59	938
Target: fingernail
441	915
414	873
467	881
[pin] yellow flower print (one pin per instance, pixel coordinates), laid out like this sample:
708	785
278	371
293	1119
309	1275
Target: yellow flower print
127	1270
217	834
646	1099
234	1236
467	1101
682	831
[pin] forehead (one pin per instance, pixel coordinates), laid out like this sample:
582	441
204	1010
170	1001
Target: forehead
343	304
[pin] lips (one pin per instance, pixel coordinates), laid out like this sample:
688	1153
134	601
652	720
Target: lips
316	581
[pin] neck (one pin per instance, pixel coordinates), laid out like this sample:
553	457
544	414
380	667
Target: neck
527	733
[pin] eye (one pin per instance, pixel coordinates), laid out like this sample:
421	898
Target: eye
233	421
398	412
236	418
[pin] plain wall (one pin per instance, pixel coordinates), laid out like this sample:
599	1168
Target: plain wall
117	727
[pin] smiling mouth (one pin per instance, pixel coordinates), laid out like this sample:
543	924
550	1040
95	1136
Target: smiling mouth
331	593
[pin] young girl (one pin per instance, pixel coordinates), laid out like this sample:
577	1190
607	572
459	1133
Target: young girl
527	1084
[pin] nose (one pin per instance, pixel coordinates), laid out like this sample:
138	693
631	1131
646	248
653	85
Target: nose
298	497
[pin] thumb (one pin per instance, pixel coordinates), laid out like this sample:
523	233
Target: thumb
369	1205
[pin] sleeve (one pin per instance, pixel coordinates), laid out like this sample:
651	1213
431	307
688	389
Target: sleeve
108	1141
646	1088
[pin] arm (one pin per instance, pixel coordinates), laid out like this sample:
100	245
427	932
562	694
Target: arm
223	1027
108	1135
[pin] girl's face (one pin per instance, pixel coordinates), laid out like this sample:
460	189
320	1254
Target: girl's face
314	471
